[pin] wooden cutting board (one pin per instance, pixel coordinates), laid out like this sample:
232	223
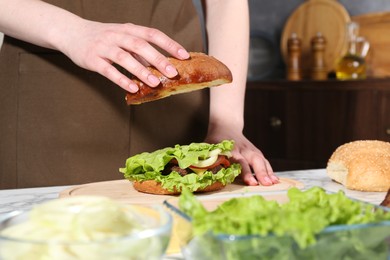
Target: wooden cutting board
122	190
326	16
375	27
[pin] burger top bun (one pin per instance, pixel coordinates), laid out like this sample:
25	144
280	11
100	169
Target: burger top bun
361	165
198	72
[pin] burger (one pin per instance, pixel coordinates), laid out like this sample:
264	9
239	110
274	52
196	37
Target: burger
197	167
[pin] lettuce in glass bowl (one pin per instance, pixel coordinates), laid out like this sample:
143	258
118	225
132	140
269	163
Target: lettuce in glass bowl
311	224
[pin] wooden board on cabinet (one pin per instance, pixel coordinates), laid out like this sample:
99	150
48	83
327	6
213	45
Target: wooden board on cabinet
328	17
375	27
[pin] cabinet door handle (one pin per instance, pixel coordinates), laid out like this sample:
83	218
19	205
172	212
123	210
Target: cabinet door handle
275	122
388	131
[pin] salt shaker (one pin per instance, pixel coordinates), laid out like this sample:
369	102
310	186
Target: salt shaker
294	70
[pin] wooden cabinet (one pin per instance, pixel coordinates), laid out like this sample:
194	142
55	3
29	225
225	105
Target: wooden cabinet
298	125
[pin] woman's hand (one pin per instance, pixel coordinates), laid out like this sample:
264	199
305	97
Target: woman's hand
98	46
246	154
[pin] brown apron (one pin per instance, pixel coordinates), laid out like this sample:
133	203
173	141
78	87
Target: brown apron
61	124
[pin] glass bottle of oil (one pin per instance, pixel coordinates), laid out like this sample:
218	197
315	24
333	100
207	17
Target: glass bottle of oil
353	65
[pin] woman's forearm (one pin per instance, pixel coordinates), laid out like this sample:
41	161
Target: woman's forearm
90	44
227	24
36	22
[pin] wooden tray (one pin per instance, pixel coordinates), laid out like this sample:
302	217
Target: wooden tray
122	190
326	16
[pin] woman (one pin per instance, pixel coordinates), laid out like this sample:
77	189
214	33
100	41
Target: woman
64	124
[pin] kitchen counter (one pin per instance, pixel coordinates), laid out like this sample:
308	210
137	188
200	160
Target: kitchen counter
24	199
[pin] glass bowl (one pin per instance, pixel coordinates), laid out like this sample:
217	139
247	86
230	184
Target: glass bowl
69	234
363	241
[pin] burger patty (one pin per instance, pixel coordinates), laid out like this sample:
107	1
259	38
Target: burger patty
170	167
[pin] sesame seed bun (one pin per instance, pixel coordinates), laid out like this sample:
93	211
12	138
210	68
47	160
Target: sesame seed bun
362	165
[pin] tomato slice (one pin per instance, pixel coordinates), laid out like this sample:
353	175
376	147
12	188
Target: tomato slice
222	160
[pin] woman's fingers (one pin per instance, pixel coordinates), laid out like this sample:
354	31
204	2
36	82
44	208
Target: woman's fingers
139	44
263	171
130	46
159	39
255	167
106	69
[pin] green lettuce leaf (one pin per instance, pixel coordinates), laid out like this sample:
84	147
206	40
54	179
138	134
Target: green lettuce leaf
148	166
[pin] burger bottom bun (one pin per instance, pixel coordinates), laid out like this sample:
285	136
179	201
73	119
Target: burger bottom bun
361	165
153	187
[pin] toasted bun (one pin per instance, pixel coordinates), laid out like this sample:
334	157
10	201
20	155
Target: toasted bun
198	72
361	165
153	187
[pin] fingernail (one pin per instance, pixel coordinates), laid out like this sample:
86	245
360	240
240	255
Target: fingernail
268	180
153	80
183	53
171	71
133	88
275	179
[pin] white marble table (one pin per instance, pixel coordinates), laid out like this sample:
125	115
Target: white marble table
22	199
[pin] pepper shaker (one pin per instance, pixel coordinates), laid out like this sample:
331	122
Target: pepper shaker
319	70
